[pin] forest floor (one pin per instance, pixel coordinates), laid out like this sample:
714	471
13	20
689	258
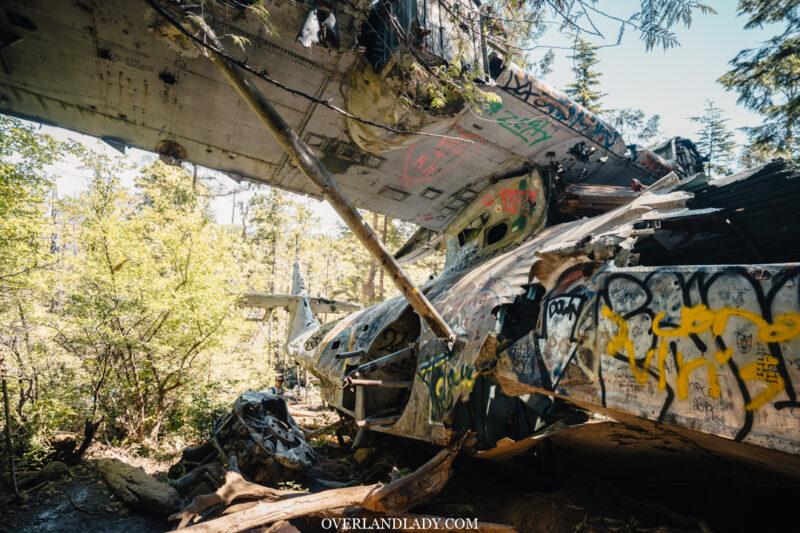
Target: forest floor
526	494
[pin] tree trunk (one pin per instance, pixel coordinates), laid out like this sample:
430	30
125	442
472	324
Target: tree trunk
383	238
368	289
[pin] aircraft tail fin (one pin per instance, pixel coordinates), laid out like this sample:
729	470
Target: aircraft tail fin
302	318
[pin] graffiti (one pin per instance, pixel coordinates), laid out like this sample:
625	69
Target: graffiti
744	342
445	383
722	336
564	306
470	306
339	339
530	130
424	217
314	340
425	162
698	319
559	106
518	202
557	341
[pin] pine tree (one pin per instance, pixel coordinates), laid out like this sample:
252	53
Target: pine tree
715	140
766	77
634	125
584	89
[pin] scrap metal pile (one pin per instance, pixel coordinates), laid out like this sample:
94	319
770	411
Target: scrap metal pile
257	446
262	436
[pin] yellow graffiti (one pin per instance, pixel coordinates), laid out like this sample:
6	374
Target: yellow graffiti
685	371
755	372
696	320
713	380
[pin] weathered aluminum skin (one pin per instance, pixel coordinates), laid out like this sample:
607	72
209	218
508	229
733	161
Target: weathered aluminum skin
115	70
712	349
691	357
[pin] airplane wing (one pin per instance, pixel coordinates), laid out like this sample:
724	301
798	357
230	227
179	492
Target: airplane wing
119	71
317	304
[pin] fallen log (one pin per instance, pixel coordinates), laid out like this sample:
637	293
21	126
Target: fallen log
396	497
138	490
235	487
312	433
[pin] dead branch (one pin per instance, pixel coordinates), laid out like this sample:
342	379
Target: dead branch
88	434
235	487
396	497
311	433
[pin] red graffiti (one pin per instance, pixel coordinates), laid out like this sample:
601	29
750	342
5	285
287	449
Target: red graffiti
426	161
518	202
488	200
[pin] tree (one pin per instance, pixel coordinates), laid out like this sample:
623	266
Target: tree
753	155
147	295
768	78
715	140
634	125
26	246
24	190
584	89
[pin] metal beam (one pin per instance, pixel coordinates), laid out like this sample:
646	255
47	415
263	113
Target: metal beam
315	171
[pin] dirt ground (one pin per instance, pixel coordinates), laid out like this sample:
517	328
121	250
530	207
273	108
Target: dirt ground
529	494
80	502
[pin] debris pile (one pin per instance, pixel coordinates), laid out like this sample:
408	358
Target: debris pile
259	444
262	436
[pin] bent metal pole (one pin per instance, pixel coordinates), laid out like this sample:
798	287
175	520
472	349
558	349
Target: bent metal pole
314	170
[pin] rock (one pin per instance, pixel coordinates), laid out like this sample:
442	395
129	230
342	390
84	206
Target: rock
137	489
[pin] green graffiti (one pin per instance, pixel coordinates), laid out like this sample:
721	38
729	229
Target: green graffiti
529	130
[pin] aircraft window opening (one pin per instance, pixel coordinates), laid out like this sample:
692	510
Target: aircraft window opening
399	335
335	345
473	229
496	233
365	328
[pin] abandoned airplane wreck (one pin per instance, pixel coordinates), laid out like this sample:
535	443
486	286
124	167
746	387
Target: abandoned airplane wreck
595	294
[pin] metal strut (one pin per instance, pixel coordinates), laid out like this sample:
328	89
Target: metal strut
381	362
315	171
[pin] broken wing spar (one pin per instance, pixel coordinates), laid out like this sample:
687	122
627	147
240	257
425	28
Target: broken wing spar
313	169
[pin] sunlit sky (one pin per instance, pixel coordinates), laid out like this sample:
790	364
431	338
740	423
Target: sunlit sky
673	84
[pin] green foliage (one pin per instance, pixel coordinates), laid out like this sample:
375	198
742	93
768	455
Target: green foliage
753	155
715	140
766	78
147	296
131	316
24	188
584	89
656	17
634	125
